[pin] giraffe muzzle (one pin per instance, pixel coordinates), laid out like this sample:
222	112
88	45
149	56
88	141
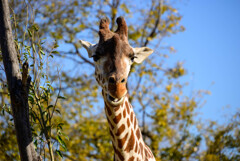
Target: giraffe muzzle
114	101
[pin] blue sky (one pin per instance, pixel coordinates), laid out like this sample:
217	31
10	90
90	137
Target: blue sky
210	48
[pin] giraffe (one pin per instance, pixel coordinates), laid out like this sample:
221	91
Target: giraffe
113	57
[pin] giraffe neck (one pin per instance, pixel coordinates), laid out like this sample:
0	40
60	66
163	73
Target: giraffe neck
125	133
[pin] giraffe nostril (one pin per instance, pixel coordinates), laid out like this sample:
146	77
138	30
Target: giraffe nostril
111	80
123	80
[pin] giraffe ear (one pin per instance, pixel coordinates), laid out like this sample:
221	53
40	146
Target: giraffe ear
141	54
91	48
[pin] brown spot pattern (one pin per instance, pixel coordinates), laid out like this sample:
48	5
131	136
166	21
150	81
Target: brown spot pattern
146	152
141	148
131	142
135	123
118	153
149	151
124	112
128	122
127	107
138	133
122	141
136	147
131	159
117	118
116	108
131	117
109	112
120	130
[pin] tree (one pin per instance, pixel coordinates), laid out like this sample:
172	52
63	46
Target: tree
223	142
18	86
165	112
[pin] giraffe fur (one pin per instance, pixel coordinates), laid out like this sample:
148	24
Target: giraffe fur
113	57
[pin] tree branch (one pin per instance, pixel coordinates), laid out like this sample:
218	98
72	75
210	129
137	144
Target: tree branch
157	22
114	6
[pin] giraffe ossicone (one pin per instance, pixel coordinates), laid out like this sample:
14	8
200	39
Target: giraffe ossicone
113	57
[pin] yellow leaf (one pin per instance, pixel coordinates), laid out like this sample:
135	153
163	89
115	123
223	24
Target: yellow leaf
114	11
169	87
176	97
174	10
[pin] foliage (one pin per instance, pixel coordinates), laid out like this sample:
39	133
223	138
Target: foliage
223	142
29	48
47	34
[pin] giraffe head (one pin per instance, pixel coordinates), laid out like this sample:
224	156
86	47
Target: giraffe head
113	57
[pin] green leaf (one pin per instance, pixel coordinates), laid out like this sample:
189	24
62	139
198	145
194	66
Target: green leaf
58	111
61	97
62	143
35	27
29	33
31	99
33	114
55	45
42	52
42	87
3	111
59	153
50	106
51	88
55	52
124	8
34	49
35	144
60	125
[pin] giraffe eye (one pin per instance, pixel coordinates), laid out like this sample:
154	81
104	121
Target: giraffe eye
96	58
132	57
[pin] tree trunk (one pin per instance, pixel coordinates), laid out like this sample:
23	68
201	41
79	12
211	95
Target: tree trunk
18	86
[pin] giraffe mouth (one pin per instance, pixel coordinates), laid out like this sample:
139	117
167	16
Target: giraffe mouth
114	101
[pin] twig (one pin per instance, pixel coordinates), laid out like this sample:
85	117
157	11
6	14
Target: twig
57	96
157	22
